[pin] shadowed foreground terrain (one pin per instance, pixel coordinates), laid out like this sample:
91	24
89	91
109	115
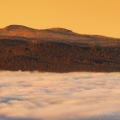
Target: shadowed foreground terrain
57	50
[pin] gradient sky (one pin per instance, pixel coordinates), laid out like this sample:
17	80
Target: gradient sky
82	16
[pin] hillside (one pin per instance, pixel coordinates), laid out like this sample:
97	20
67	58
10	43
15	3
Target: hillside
57	50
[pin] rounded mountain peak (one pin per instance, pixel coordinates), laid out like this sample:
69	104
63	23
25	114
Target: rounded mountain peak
18	30
14	27
60	30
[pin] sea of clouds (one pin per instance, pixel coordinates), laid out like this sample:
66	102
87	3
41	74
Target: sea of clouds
59	96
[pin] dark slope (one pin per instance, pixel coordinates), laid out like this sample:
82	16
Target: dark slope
57	50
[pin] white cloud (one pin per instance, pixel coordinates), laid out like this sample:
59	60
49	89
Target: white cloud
59	96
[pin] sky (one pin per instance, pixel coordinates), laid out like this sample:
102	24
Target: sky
101	17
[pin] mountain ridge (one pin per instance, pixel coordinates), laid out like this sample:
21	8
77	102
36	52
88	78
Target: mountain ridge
56	30
57	50
19	28
56	34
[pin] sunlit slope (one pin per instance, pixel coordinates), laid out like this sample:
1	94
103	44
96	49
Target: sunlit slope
55	34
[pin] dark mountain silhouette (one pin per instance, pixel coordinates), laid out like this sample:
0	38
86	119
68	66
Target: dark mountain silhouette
57	50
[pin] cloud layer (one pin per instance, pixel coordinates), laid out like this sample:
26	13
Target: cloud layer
59	96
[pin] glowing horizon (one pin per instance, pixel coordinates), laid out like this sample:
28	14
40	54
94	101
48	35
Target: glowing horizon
98	17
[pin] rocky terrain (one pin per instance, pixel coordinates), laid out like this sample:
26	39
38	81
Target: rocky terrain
57	50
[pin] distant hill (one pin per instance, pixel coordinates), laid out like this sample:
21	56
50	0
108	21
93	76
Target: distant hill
56	34
57	50
18	30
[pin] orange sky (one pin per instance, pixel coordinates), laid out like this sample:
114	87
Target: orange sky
82	16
